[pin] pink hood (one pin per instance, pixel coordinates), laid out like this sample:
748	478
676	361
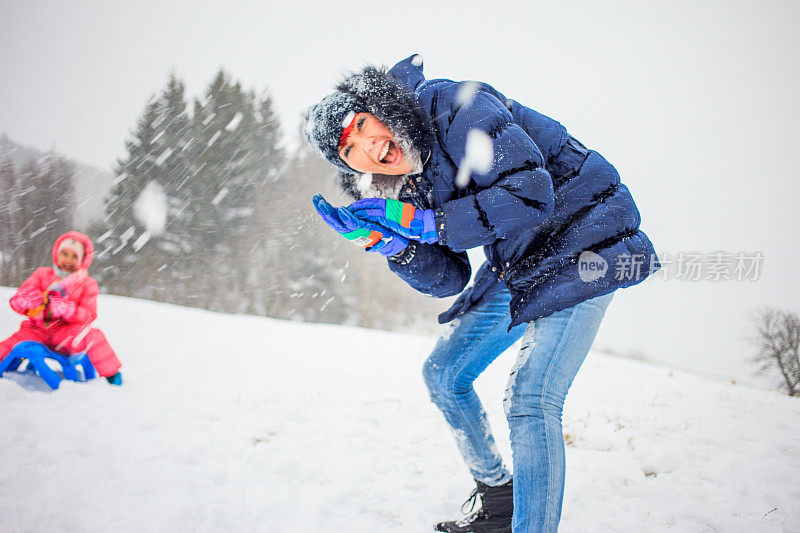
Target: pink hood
83	239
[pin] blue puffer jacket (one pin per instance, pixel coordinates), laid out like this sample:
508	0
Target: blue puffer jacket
544	202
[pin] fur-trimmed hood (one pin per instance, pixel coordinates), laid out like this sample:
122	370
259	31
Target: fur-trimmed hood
88	248
378	92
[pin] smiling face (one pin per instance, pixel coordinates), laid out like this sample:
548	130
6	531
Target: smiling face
371	147
67	260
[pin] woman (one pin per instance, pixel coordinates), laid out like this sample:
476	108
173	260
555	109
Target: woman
553	218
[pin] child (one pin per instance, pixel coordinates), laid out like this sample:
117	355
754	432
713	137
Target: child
61	303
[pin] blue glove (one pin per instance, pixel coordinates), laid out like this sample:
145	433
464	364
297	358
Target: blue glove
390	243
371	236
116	379
400	217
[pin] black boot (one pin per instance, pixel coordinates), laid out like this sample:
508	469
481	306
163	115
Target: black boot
494	516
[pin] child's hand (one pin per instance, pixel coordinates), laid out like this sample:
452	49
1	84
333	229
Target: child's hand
60	307
24	301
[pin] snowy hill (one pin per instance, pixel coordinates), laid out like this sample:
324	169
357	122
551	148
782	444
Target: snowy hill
240	423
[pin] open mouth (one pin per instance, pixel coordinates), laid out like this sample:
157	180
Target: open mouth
390	153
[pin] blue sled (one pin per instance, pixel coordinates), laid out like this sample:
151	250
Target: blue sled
36	353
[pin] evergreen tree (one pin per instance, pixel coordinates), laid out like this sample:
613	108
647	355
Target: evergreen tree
10	221
167	250
305	264
239	233
266	161
133	173
146	220
234	157
46	200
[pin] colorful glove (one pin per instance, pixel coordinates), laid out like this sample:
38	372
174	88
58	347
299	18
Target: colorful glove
372	237
400	217
60	307
116	379
390	244
27	300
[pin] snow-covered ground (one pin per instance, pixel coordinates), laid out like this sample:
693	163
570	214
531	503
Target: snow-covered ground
239	423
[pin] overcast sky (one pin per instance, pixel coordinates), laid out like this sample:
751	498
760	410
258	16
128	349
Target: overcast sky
694	102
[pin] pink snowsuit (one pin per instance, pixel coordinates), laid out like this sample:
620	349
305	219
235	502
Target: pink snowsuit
76	334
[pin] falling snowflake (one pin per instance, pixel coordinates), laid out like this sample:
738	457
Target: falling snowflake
478	156
220	196
214	138
234	123
466	93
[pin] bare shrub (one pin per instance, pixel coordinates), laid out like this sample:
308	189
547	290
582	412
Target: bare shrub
777	343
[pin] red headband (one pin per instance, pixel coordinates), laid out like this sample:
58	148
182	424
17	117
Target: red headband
346	133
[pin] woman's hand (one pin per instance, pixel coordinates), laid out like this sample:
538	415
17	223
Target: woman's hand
370	236
400	217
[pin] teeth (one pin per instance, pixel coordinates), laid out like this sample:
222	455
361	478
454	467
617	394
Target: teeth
384	151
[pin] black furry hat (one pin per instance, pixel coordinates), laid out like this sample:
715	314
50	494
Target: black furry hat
374	91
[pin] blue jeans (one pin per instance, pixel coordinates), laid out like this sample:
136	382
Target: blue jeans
553	349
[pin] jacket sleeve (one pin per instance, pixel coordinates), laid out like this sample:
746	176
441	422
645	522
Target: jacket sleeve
516	193
32	284
86	304
432	269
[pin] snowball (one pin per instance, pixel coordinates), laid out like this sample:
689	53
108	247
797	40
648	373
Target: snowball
478	156
466	93
480	150
151	208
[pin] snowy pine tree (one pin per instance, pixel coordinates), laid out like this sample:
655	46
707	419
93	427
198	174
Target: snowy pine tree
267	160
10	220
235	156
142	247
46	201
307	263
117	256
208	211
199	179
